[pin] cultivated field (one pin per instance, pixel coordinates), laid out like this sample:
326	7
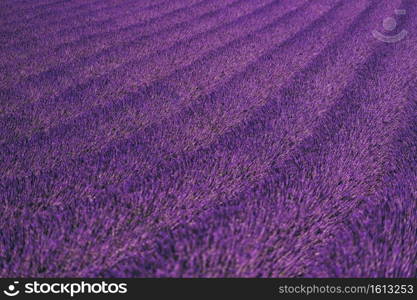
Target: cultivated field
208	138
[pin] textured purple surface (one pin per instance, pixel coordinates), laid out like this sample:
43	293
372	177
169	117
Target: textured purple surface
197	138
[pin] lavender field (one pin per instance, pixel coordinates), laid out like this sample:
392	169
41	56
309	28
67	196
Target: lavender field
208	138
